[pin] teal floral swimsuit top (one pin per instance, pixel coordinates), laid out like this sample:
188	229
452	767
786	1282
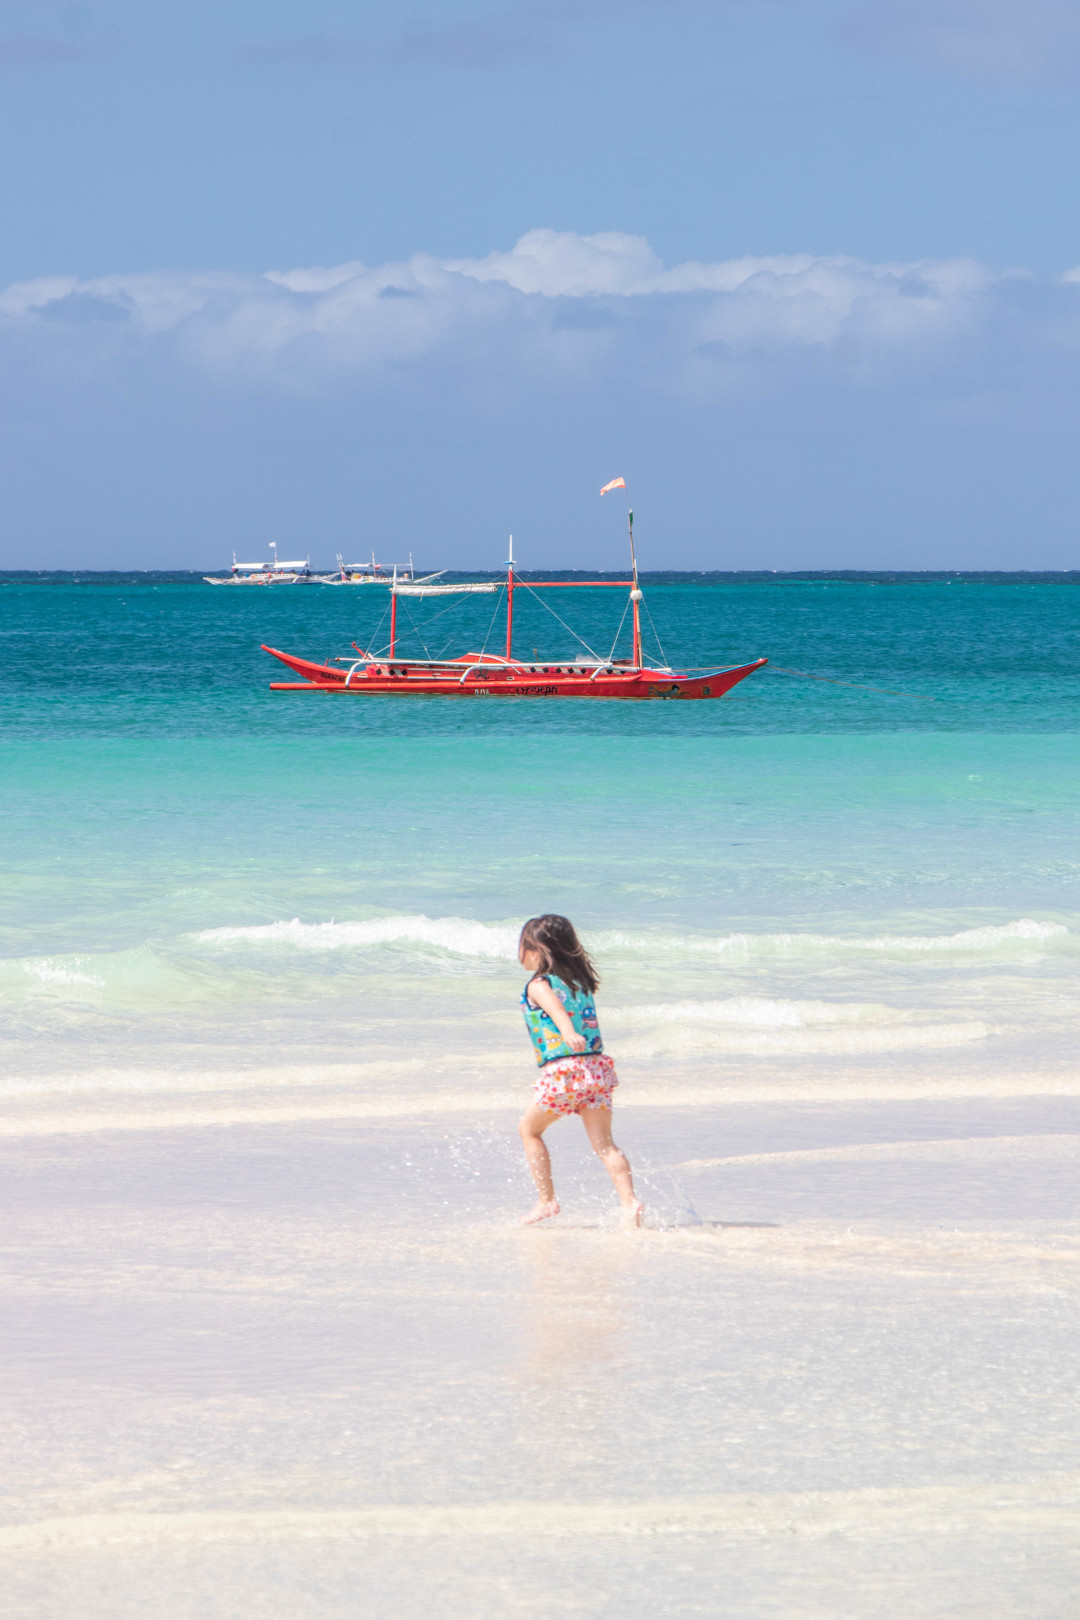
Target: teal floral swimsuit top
544	1032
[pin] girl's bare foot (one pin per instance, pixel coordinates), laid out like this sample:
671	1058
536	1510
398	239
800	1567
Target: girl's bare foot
543	1211
632	1213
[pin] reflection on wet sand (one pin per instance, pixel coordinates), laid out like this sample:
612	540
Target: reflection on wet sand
574	1322
571	1350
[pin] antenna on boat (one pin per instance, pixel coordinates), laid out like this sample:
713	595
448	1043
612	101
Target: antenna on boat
635	594
393	610
510	601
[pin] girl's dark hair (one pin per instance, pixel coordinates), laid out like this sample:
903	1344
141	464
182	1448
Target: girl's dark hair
560	951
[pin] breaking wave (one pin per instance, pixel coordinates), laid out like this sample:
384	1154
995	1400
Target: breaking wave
754	1012
757	1024
295	963
1025	931
50	972
498	941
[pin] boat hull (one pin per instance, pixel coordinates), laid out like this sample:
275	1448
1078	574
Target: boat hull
499	678
263	579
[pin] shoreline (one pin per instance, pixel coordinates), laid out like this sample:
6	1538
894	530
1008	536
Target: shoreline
50	1113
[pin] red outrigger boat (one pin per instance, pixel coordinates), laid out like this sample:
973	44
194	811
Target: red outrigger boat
484	674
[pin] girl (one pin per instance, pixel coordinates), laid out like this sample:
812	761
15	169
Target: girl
576	1076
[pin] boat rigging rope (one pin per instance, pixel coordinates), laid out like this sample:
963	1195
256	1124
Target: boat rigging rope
453	607
618	632
449	609
416	632
652	627
522	585
491	624
378	627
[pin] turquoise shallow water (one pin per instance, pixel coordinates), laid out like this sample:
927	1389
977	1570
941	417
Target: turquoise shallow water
202	875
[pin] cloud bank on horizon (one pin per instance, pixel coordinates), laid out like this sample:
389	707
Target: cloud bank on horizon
785	410
565	312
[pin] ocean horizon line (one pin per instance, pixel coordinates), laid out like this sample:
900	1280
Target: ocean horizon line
654	575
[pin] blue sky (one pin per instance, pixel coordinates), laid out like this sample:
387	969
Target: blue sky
346	276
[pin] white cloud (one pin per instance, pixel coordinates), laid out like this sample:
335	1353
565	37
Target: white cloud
155	301
563	264
561	310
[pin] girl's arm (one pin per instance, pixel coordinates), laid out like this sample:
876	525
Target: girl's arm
542	995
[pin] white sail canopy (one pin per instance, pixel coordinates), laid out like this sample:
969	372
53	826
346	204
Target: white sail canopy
479	588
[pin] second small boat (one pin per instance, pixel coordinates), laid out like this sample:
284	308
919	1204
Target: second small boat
375	573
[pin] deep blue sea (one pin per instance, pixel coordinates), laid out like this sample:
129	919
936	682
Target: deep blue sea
209	883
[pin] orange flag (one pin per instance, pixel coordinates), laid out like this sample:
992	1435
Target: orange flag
616	483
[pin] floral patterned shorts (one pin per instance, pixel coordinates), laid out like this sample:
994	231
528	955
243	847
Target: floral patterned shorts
572	1083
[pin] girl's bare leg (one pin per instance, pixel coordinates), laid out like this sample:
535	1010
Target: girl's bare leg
597	1122
534	1122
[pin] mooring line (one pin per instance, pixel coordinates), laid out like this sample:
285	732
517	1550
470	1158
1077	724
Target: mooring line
857	685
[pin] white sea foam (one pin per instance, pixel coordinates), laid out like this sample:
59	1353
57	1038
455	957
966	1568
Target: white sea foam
143	977
49	972
1024	930
748	1025
968	939
218	986
47	976
757	1012
498	941
456	934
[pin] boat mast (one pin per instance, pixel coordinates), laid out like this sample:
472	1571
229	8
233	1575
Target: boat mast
635	597
393	609
510	601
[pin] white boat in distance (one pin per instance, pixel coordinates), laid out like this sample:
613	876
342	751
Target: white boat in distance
376	573
280	572
266	573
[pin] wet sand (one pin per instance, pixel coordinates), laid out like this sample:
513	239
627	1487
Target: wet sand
310	1366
